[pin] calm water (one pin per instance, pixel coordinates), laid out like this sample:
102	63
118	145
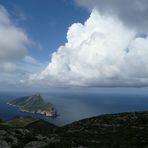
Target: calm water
72	107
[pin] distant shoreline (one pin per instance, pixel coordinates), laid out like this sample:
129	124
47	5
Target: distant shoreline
45	113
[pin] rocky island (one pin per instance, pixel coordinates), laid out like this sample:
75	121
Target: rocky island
34	104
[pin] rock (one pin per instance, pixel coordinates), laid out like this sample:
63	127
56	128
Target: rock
4	144
53	140
41	137
35	144
3	132
21	132
14	139
79	147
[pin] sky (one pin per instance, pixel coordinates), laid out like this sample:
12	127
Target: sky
73	43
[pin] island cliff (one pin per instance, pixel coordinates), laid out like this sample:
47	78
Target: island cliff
34	104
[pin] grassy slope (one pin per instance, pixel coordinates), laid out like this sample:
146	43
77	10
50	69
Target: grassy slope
21	121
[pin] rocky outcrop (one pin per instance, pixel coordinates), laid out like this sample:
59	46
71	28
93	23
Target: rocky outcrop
4	144
125	130
24	138
11	137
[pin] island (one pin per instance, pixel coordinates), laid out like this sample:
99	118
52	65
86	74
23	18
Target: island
34	104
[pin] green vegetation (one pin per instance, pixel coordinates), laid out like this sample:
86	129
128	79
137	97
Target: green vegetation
34	104
21	121
124	130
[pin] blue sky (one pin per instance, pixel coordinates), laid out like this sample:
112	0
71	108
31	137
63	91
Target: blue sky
73	43
46	22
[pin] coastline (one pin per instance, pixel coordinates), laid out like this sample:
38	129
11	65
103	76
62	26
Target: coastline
45	113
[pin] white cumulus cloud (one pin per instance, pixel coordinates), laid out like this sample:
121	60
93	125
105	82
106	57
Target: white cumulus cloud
13	40
132	13
100	52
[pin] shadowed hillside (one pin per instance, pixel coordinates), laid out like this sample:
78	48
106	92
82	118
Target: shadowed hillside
124	130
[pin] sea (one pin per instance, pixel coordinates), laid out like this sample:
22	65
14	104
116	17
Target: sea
76	106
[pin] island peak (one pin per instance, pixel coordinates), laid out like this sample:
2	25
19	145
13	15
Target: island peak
34	104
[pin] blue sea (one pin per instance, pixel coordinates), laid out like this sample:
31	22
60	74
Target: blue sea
75	106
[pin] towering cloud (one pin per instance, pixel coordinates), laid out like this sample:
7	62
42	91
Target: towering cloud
100	52
133	13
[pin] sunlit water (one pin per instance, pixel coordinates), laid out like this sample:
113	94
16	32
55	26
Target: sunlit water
76	106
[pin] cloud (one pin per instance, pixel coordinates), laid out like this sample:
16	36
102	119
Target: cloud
15	62
7	67
13	40
29	59
132	12
103	53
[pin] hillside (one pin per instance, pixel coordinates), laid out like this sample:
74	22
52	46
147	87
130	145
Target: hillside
33	104
124	130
